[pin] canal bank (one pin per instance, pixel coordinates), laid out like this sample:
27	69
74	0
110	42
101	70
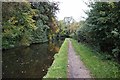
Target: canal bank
59	66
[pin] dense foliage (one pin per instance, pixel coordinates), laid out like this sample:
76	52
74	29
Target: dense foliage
25	23
44	19
67	28
102	27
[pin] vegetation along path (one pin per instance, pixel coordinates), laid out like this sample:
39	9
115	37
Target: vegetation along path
76	68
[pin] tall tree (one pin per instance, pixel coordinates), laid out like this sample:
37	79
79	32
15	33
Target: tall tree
102	26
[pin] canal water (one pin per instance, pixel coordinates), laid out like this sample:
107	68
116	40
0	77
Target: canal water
29	62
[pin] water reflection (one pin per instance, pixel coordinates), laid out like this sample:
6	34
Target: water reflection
28	62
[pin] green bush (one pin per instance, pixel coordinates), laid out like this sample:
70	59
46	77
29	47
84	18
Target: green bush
101	28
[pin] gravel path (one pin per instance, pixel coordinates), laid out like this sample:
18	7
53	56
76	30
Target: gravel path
76	68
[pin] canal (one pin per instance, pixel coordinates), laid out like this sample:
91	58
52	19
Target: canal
29	62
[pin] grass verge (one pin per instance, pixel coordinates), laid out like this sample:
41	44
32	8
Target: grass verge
59	66
98	68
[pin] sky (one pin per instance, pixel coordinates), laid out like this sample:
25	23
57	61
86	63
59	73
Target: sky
72	8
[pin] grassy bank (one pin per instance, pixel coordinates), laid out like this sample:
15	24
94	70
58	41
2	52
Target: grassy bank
59	66
99	68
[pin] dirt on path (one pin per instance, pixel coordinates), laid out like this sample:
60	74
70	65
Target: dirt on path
76	68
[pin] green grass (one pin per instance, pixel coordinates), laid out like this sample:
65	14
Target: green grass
59	66
99	68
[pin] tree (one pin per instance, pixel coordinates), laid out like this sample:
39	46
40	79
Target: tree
102	26
25	23
17	23
45	20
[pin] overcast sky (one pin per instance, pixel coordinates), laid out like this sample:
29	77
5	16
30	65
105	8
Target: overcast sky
72	8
